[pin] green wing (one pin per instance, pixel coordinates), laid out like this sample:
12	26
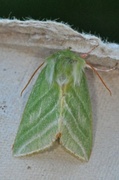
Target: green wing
77	120
39	124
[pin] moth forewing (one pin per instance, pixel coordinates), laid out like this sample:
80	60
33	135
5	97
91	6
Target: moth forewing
77	120
38	126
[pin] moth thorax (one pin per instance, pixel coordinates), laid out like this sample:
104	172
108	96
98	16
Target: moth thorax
62	80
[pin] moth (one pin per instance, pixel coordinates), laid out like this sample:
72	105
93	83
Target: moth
58	108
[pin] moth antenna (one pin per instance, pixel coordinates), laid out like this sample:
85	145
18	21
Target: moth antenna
99	77
106	70
84	55
31	78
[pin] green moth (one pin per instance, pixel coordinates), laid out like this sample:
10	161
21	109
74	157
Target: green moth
58	108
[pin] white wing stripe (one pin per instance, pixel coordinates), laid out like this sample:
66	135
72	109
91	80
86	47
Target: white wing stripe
77	125
75	139
38	136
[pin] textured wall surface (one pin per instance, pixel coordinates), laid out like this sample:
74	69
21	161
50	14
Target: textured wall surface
23	46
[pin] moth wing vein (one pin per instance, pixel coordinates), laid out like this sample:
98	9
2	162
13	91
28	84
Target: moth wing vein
77	126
